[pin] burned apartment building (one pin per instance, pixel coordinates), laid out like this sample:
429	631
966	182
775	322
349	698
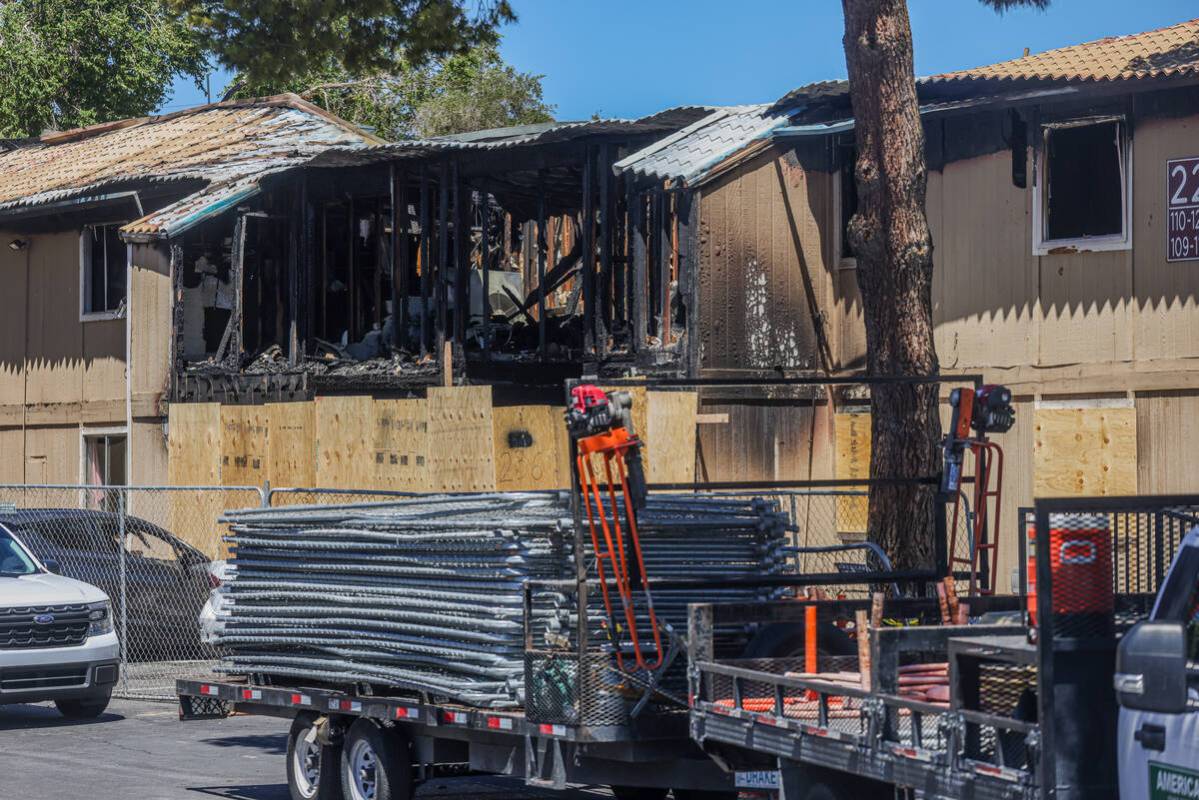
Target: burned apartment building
253	256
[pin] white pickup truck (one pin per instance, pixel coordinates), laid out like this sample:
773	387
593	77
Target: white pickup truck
56	636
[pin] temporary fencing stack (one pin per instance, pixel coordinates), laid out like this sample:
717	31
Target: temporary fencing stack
427	594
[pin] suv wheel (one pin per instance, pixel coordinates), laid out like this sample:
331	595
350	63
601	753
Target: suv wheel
89	708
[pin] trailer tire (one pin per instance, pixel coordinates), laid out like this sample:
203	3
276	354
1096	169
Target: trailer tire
312	768
375	764
639	793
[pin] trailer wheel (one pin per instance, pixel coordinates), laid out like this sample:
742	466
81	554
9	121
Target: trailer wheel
375	764
639	793
311	767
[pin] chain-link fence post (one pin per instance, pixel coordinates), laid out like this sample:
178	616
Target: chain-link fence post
266	494
123	558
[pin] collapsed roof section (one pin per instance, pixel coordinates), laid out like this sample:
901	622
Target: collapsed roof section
214	155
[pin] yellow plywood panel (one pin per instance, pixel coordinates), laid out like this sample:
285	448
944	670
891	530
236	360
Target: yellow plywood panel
670	436
245	435
291	446
531	448
194	444
461	447
401	445
1085	451
852	432
344	442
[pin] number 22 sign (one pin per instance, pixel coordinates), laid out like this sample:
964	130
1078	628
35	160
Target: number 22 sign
1182	209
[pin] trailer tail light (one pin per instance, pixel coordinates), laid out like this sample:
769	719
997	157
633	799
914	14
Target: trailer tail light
251	694
344	705
209	690
301	700
404	712
499	723
552	730
455	717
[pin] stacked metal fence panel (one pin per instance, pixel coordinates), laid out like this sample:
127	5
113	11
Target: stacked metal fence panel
426	594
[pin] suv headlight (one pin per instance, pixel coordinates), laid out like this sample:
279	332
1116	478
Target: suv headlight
99	618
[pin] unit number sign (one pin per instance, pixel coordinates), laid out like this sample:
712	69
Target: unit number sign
1182	208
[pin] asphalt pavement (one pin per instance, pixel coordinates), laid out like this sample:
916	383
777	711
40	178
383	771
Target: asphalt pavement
141	751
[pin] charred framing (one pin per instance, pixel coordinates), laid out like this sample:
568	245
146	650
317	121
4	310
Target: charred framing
342	274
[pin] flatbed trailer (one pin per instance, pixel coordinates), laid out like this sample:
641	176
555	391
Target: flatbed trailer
1031	713
655	752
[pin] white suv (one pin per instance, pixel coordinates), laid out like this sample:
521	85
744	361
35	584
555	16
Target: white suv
56	636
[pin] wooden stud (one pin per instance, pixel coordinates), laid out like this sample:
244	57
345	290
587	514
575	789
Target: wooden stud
485	265
607	207
443	253
352	271
588	264
461	262
665	263
400	257
426	322
637	286
541	249
862	627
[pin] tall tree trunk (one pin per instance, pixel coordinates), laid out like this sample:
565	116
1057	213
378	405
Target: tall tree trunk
891	242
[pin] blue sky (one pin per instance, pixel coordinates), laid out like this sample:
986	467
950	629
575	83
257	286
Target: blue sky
628	58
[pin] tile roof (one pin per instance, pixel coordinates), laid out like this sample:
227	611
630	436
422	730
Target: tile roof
689	154
223	145
1153	54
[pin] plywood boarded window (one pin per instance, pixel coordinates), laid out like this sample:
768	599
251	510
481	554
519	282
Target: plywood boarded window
1085	185
1085	451
103	259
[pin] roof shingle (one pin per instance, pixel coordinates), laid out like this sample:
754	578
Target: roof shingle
1153	54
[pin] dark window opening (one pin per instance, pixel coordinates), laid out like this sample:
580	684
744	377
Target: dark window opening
208	292
1084	181
849	194
354	280
104	262
266	286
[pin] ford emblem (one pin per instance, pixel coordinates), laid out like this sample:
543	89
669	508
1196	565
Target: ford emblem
44	619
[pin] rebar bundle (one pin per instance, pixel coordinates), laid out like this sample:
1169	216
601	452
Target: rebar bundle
426	594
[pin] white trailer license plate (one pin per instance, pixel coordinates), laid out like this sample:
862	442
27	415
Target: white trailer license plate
758	779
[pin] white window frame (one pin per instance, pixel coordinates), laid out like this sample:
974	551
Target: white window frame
1122	241
92	433
85	282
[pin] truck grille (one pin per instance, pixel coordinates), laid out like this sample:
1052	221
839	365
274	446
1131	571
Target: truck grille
20	631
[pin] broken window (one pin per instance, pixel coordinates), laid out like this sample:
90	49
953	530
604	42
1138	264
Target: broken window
208	292
103	261
1085	184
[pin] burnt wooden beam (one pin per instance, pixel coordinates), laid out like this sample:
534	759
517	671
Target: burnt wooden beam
352	274
426	285
638	284
607	207
653	262
461	260
177	351
665	263
229	351
485	265
689	276
322	292
443	255
589	282
541	248
307	266
400	265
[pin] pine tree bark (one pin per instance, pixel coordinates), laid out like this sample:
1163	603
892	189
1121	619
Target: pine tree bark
891	242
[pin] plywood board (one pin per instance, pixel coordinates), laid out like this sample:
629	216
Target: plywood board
542	463
245	436
400	445
1085	452
670	436
852	433
291	447
194	444
344	440
461	447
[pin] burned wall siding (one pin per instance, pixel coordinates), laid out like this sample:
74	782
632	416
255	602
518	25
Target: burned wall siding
761	441
764	278
150	329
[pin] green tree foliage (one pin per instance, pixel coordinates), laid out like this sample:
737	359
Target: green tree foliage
464	92
272	41
68	63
